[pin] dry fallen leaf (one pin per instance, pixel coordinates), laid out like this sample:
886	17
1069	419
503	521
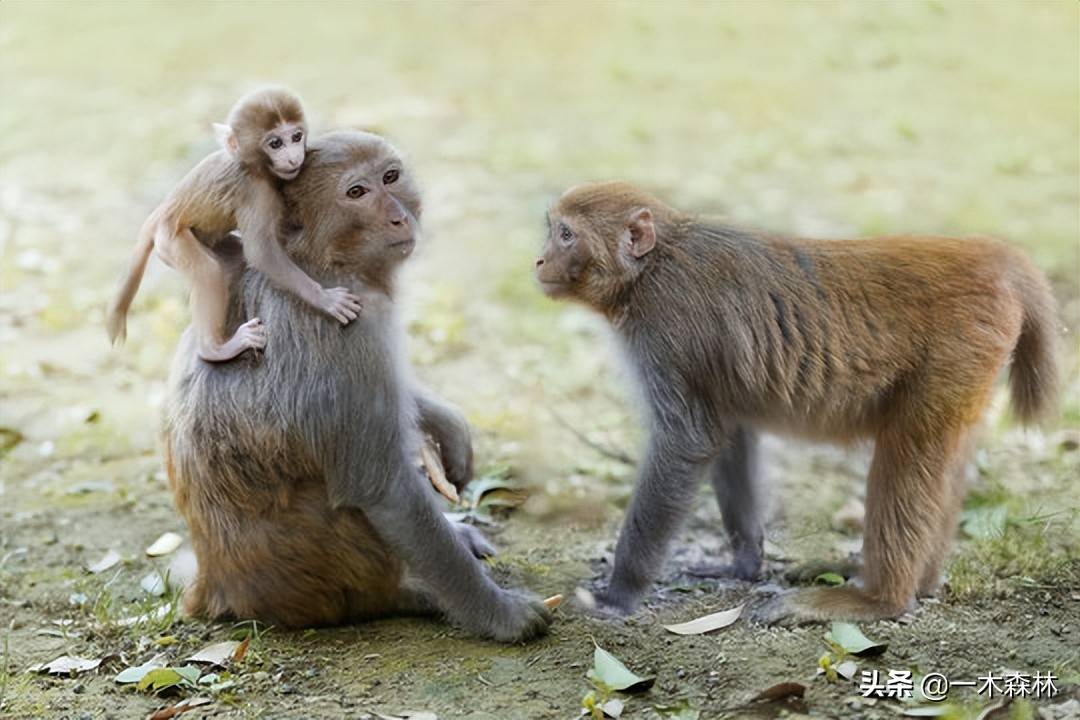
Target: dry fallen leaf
241	649
780	691
66	665
216	654
183	706
433	466
110	559
708	623
164	545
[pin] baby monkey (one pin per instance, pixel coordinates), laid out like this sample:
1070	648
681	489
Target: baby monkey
236	188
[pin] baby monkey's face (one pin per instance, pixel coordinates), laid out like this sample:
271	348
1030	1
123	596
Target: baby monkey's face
285	146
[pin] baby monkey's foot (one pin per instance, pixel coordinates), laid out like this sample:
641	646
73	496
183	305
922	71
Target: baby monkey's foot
249	336
340	304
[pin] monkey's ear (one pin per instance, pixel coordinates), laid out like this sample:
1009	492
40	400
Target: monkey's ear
642	232
226	138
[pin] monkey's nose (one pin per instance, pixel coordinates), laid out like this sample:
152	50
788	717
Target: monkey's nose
398	221
539	261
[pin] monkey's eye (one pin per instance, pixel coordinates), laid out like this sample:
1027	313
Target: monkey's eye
297	136
565	234
356	191
390	177
276	144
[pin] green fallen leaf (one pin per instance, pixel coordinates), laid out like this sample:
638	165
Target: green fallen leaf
829	578
164	678
608	672
985	523
137	673
679	711
851	639
159	679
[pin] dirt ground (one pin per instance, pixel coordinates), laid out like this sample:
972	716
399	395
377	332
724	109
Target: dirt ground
838	119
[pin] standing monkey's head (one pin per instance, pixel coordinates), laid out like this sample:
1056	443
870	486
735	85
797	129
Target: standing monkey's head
267	133
358	205
598	238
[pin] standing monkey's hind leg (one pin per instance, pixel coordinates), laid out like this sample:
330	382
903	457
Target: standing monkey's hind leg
909	503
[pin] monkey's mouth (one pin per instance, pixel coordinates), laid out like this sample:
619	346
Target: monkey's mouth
553	288
288	174
404	246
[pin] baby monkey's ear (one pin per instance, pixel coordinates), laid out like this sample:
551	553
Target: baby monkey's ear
227	138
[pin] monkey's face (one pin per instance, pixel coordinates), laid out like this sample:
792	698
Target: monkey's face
592	252
567	260
357	202
284	147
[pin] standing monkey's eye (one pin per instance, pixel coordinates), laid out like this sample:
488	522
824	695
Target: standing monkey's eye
356	191
276	144
565	234
390	177
297	136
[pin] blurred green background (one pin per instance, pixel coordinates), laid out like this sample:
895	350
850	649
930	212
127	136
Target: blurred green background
827	119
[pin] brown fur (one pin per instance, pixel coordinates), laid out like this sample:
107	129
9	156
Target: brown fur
233	188
894	339
296	471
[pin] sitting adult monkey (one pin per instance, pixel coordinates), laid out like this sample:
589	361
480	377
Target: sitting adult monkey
730	331
296	471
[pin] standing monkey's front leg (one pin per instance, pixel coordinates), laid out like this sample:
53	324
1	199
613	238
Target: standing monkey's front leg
662	500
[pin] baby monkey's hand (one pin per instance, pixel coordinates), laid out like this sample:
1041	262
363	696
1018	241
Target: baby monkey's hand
340	304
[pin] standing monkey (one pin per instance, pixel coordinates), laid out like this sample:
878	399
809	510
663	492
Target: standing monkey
897	340
297	476
263	142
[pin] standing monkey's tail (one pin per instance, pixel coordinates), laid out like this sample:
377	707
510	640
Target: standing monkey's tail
116	314
1033	376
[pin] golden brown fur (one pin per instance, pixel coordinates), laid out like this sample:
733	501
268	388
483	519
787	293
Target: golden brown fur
235	188
895	339
296	471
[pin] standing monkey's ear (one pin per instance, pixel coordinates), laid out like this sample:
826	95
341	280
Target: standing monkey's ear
641	232
227	138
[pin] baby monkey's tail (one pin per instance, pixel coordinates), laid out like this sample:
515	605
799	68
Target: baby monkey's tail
116	314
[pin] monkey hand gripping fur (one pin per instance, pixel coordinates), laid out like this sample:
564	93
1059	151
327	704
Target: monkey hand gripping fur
263	145
893	340
296	471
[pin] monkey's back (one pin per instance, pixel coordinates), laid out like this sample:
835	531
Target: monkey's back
825	337
208	197
250	447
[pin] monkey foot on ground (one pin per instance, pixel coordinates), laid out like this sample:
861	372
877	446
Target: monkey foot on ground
815	605
520	618
605	604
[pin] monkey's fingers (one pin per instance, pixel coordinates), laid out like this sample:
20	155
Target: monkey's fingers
554	601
